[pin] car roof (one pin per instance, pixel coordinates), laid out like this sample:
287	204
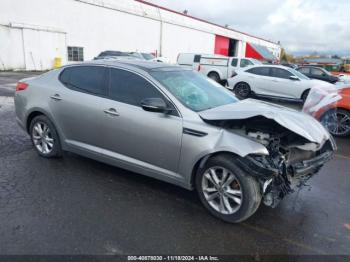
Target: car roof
147	66
265	65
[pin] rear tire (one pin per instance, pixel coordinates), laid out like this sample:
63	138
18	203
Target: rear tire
337	121
231	198
214	76
44	137
242	90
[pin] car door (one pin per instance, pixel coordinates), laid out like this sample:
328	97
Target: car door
283	86
141	137
259	79
245	62
75	104
232	68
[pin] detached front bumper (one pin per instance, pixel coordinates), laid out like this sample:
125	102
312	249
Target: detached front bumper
312	165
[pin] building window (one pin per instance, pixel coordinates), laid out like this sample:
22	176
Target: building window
75	53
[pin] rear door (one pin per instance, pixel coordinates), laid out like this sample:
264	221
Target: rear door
259	80
76	104
139	136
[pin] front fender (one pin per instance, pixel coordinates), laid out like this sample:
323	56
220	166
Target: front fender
196	148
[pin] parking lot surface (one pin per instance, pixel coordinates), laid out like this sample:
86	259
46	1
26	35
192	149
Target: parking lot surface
75	205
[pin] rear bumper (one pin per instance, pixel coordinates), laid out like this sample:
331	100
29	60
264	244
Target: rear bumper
21	124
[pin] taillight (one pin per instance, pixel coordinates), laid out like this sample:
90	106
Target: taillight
21	86
199	68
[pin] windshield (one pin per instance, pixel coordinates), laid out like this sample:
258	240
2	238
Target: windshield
148	56
256	62
194	90
298	74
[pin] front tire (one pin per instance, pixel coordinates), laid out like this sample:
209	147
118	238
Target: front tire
44	137
226	191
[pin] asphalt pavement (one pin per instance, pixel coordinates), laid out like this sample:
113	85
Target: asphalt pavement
75	205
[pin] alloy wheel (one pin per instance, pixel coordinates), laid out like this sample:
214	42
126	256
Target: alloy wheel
242	90
42	138
338	123
222	190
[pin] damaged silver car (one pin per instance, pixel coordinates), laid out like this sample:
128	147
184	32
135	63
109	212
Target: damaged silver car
175	125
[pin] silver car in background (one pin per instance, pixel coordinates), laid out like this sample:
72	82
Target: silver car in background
175	125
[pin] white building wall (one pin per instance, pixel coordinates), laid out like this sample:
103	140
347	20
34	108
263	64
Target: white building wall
187	41
33	33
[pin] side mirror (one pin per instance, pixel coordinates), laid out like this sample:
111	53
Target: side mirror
157	105
294	78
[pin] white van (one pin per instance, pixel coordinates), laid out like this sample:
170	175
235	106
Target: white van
189	60
217	67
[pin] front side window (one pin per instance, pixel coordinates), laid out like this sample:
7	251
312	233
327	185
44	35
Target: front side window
280	73
316	72
304	70
88	79
130	88
194	90
298	74
75	53
245	62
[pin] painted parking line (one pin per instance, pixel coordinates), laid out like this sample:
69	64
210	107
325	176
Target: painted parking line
342	156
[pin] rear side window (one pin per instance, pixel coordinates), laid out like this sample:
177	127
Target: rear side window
280	73
197	58
88	79
262	71
234	62
130	88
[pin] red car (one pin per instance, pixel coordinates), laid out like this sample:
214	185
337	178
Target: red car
331	108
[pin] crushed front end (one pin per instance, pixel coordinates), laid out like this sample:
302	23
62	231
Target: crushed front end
285	169
291	160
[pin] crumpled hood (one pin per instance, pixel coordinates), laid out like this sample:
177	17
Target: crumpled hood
297	122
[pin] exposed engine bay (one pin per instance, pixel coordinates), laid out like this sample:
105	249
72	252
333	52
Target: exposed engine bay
291	161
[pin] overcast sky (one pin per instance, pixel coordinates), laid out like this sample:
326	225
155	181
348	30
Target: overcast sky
300	25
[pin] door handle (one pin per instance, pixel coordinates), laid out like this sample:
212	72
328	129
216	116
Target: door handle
56	97
111	111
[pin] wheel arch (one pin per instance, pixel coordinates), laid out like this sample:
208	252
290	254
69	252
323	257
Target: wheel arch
39	111
214	71
304	92
201	162
333	109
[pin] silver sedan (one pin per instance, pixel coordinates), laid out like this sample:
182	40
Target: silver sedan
175	125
